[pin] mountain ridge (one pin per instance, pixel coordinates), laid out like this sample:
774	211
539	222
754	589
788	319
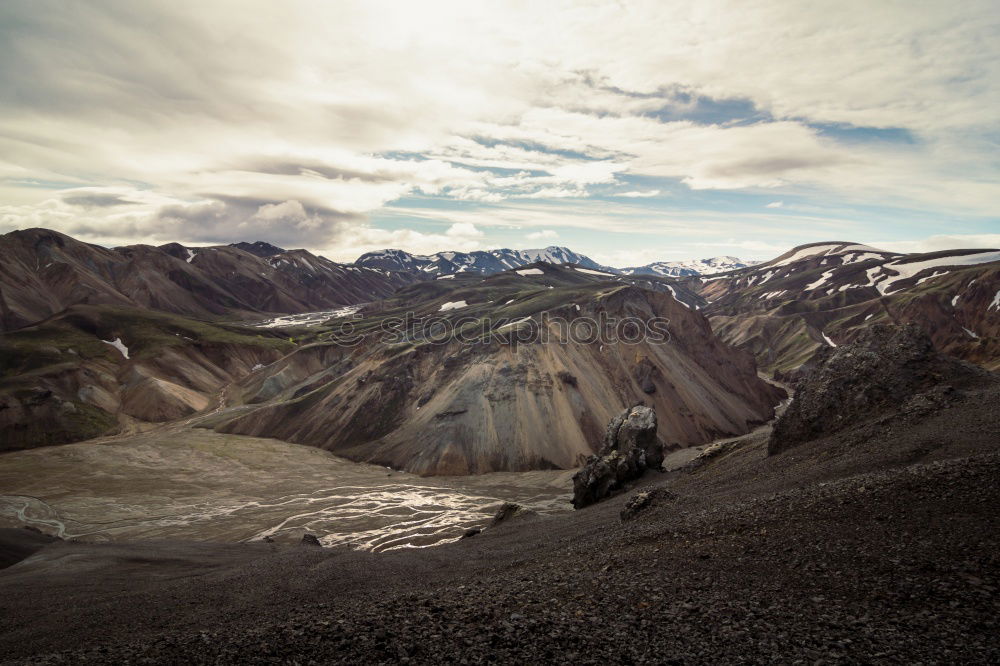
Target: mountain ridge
484	262
45	271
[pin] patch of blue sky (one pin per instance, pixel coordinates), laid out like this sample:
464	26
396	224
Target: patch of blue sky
846	133
709	111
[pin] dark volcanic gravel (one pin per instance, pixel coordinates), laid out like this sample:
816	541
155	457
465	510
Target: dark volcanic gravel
898	566
877	545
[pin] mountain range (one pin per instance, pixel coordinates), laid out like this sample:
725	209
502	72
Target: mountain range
44	272
494	261
708	266
99	340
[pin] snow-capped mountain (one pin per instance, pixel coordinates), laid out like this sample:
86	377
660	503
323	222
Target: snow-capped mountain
690	267
825	294
483	262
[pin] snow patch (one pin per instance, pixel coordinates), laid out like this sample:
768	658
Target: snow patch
531	271
447	277
768	276
806	252
513	323
585	270
829	341
674	294
906	271
453	305
822	280
995	304
861	256
931	277
190	256
117	344
971	334
832	249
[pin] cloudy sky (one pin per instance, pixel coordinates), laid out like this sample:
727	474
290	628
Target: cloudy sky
629	131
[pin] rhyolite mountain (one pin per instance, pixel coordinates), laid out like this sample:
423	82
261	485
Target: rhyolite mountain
505	401
825	294
94	370
44	272
98	340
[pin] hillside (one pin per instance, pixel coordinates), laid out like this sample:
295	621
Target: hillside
93	370
826	294
500	399
44	272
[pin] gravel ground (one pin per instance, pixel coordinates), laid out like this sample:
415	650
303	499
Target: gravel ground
882	548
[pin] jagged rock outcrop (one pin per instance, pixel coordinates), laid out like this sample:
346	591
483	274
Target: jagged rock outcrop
887	369
630	448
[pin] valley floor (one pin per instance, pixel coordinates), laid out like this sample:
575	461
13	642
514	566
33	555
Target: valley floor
838	552
177	482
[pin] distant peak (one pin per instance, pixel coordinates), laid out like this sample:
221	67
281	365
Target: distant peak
259	248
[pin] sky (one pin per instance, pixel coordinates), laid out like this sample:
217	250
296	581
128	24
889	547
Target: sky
628	131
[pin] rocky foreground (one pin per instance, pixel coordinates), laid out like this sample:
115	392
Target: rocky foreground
878	541
900	566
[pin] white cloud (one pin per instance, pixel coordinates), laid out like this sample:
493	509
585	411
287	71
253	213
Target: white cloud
304	120
776	204
544	234
463	230
943	242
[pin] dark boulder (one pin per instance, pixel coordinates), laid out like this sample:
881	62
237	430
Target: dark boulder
630	448
310	540
509	510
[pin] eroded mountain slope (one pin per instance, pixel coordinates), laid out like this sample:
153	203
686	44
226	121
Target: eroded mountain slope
511	402
93	369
